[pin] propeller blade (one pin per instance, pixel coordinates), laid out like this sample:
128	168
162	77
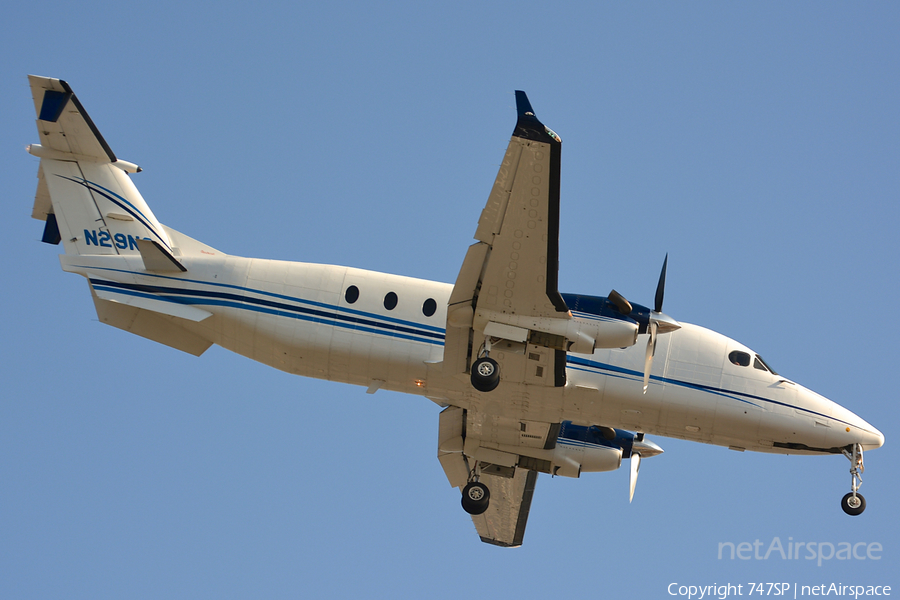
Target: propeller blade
632	481
651	350
661	286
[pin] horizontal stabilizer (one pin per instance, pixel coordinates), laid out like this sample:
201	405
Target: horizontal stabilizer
152	302
157	258
150	325
63	124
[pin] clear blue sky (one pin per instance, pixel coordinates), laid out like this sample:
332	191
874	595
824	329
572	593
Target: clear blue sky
757	143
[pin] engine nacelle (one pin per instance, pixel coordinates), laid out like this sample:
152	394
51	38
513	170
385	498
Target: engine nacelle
572	334
571	459
586	335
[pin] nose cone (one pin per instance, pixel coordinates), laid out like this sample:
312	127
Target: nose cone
844	427
872	438
853	429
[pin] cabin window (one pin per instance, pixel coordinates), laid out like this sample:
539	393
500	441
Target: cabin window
352	294
760	364
429	307
390	301
741	359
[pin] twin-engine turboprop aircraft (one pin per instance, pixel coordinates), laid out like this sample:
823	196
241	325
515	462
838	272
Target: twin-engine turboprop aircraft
531	380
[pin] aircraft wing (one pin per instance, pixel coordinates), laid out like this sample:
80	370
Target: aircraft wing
512	271
511	486
503	523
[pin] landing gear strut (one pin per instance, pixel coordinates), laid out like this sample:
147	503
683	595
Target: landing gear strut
485	371
475	496
853	502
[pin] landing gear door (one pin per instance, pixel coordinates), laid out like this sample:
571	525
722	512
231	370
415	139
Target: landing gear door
450	445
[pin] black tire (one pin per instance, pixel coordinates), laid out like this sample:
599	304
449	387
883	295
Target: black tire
485	374
475	498
847	504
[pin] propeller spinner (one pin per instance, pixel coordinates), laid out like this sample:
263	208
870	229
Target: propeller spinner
640	449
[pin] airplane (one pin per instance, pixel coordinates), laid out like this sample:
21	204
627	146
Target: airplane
530	380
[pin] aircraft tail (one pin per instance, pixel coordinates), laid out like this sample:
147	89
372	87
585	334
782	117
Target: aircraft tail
85	195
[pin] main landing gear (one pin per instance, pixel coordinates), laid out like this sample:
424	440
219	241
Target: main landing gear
485	374
475	496
485	371
853	502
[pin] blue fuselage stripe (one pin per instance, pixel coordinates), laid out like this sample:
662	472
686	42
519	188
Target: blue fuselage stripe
216	298
330	307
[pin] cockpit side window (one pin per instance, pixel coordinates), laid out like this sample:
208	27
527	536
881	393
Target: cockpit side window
760	364
741	359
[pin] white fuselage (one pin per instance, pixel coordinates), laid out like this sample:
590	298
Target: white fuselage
297	318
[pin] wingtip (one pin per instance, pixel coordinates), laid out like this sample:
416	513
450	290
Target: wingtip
528	126
523	106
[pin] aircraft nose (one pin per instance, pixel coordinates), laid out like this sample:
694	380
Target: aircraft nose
850	428
872	439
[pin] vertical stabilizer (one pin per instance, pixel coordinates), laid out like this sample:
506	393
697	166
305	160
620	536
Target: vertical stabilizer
85	194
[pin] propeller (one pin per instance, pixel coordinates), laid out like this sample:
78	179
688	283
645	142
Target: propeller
632	481
653	328
658	323
640	448
661	286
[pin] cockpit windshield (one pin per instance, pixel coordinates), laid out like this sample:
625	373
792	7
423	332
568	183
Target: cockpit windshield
760	364
742	359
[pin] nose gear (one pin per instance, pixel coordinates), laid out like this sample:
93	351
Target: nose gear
853	502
